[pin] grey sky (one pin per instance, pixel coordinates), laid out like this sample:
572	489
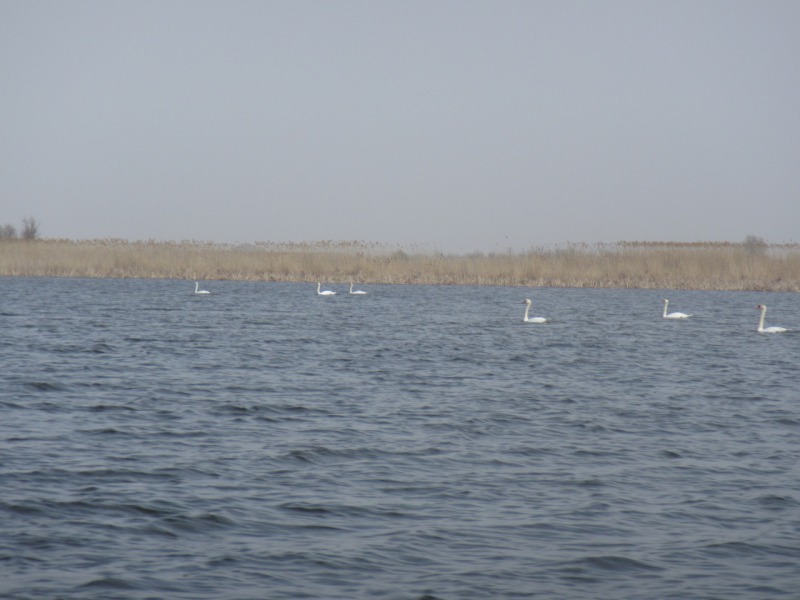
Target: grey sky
455	125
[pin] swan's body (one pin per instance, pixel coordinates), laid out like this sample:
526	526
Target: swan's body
356	292
197	289
675	315
528	319
761	328
324	292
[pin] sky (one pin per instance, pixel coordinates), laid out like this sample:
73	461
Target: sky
453	125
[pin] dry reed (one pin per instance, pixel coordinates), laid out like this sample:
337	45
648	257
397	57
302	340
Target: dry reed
703	266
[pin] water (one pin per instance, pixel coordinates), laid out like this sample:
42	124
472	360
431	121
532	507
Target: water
417	442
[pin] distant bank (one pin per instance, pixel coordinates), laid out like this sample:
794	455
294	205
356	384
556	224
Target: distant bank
751	265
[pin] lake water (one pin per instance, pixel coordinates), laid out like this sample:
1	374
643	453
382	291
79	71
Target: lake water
419	442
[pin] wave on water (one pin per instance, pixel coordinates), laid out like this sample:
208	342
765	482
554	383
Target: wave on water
263	443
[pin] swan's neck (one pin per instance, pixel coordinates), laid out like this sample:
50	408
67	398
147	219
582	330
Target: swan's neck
665	307
196	286
318	284
761	321
527	308
351	288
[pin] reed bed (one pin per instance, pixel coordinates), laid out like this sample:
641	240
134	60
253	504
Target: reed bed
702	266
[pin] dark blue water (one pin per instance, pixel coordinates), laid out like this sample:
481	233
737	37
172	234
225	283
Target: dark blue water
417	442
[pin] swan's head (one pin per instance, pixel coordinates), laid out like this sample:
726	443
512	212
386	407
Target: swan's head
761	307
527	301
665	300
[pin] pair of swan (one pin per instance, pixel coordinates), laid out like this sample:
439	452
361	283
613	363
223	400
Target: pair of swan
197	289
528	303
331	293
760	328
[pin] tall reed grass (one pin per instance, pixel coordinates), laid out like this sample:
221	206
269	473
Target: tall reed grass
703	266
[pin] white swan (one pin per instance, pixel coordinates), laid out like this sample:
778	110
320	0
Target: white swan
761	328
324	292
527	319
675	315
356	292
197	289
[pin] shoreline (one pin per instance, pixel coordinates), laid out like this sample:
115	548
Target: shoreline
643	265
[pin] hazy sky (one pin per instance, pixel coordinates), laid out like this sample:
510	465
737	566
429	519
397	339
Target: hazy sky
455	125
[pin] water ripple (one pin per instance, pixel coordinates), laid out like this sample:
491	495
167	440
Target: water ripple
264	443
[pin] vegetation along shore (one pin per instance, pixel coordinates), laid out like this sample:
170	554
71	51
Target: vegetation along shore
749	265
